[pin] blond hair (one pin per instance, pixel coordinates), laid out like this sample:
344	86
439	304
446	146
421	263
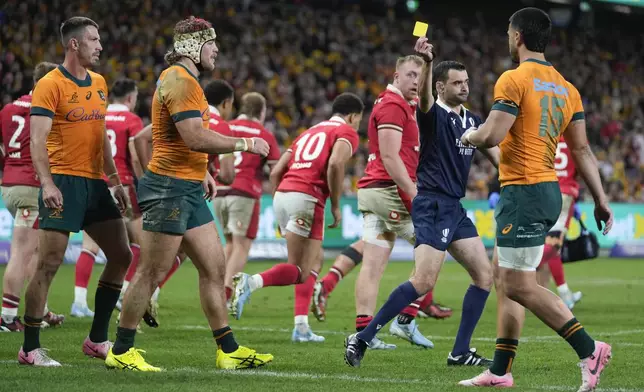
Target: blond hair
411	58
252	104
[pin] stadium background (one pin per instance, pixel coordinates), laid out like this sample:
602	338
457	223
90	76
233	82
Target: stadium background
301	54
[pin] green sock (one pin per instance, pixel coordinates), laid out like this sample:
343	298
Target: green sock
32	334
124	340
576	336
107	294
506	350
225	340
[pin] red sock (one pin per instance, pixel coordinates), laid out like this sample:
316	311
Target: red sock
229	292
426	300
412	309
556	269
136	252
84	266
282	274
10	303
331	279
303	295
362	321
175	266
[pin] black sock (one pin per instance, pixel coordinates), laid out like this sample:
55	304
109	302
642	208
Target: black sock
124	340
576	336
32	334
405	319
225	340
107	294
506	350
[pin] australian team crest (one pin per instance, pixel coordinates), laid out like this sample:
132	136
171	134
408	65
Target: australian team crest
101	94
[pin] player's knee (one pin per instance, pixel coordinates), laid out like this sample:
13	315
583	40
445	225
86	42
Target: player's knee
515	290
483	277
423	283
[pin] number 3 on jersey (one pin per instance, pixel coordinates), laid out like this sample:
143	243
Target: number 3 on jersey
310	147
111	135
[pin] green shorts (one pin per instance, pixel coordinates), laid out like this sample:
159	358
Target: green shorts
525	214
85	201
171	205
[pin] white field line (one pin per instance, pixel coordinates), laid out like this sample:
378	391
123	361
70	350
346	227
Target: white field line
526	339
340	377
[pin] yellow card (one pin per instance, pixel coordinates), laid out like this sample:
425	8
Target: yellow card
420	29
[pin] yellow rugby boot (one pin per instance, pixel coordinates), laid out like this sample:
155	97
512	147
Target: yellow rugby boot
130	360
242	358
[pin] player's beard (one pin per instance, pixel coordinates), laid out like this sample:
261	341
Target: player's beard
514	54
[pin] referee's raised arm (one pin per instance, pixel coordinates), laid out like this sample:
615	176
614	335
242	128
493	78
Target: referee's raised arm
425	50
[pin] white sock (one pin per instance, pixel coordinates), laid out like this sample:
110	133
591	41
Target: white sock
155	295
80	295
255	282
302	321
563	289
8	314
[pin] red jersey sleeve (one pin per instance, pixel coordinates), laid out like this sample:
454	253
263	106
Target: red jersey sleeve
274	152
136	125
390	115
348	135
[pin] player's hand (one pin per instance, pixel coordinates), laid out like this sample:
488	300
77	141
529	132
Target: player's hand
209	187
51	196
465	138
424	49
337	217
118	192
259	146
604	214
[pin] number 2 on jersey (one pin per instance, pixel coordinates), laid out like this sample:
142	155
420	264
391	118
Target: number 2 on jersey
13	143
551	116
310	147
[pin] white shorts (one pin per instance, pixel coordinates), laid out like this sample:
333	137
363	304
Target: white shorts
22	203
521	259
567	211
238	215
300	214
384	212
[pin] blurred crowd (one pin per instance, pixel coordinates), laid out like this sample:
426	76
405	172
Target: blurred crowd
300	58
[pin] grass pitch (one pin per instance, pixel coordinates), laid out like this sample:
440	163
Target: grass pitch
612	310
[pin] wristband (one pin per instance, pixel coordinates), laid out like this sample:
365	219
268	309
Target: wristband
243	144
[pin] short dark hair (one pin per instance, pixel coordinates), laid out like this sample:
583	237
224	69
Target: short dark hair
73	25
43	69
441	71
252	104
218	91
347	103
122	87
535	28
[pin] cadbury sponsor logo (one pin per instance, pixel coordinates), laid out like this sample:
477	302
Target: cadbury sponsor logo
79	114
